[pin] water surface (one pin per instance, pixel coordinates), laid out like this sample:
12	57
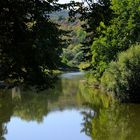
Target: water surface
70	111
53	114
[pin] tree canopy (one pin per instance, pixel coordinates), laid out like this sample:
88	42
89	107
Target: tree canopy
112	27
30	43
93	13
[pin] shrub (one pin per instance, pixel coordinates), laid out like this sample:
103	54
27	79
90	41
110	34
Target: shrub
123	76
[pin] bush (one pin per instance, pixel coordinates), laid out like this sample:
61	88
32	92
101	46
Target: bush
123	76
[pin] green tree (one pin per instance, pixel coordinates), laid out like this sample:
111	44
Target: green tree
30	42
119	36
93	13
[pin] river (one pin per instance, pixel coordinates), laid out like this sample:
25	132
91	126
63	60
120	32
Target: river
70	111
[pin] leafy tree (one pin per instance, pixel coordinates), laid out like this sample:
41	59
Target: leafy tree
30	42
119	36
72	54
92	13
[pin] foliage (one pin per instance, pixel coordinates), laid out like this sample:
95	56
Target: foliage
72	54
77	35
30	42
119	36
93	13
123	76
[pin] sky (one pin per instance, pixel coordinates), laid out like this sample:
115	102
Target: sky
66	1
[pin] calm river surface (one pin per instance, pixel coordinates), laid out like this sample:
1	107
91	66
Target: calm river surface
70	111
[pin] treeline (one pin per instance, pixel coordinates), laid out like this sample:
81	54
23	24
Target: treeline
111	47
35	41
30	42
72	54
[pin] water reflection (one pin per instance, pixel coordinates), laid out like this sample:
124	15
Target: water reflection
69	111
110	121
16	93
6	111
22	110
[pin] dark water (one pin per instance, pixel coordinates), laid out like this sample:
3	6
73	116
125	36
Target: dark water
71	111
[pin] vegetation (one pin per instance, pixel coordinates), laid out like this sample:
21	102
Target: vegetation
72	54
119	36
93	13
32	38
37	40
113	32
30	43
123	76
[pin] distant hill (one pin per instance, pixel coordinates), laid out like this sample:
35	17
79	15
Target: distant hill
59	14
72	54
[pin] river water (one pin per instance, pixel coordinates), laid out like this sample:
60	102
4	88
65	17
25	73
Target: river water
70	111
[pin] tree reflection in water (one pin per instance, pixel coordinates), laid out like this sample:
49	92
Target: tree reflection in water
110	120
6	111
103	119
31	106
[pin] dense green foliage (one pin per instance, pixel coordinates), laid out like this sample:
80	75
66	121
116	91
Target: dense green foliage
93	13
123	77
72	53
119	36
108	34
111	27
30	43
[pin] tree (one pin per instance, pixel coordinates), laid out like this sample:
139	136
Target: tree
30	42
119	36
93	13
